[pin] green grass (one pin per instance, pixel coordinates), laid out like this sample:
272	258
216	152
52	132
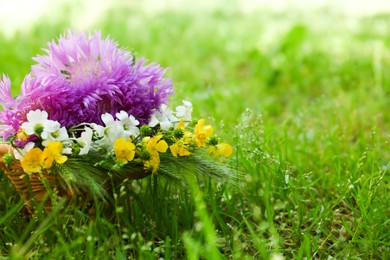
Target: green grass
306	108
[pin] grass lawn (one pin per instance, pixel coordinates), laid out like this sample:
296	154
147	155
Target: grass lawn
306	106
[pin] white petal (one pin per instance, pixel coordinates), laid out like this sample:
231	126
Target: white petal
28	128
133	120
122	115
85	137
67	150
180	111
37	116
153	121
187	103
108	119
99	129
50	126
84	150
165	125
62	134
133	131
20	153
85	140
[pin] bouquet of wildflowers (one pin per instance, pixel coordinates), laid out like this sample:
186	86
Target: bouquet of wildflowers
89	112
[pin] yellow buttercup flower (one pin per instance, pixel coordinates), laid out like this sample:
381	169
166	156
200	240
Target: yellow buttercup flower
53	152
188	138
154	146
21	135
152	164
124	150
181	147
181	125
32	161
223	149
202	133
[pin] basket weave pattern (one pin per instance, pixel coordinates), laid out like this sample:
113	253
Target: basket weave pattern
31	186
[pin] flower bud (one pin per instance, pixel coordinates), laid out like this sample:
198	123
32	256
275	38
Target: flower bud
8	159
145	155
145	130
178	133
212	140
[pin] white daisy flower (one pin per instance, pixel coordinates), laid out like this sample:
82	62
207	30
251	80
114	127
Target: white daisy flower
129	123
58	135
38	124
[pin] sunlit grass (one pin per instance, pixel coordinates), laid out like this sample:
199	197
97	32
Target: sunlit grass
305	109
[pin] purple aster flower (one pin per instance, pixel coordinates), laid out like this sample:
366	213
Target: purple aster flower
14	110
82	77
8	103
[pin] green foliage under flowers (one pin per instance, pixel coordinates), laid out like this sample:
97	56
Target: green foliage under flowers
313	145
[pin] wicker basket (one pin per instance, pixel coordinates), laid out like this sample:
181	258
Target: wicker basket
31	186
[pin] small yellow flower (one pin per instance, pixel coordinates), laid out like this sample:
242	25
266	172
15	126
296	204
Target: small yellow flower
21	135
32	161
181	125
53	152
154	146
202	133
213	150
181	147
188	138
152	164
124	150
223	149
